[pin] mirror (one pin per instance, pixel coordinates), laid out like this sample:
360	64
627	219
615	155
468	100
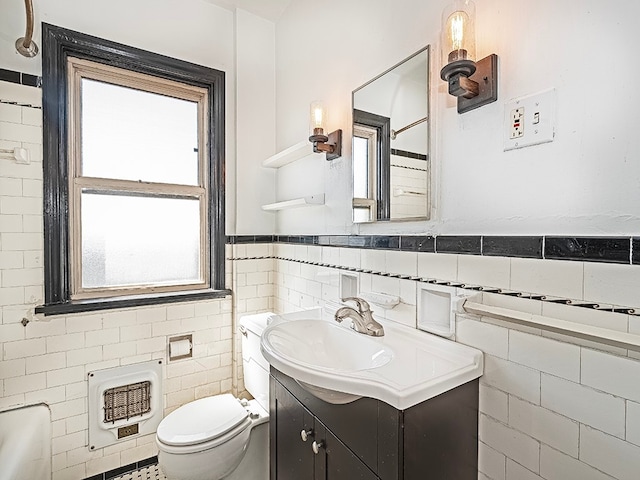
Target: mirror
391	163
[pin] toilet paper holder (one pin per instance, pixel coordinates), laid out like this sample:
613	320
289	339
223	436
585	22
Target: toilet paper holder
180	347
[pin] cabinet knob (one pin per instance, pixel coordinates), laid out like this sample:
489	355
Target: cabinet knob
305	434
316	446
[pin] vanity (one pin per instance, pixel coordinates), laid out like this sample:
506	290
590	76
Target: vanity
407	412
368	439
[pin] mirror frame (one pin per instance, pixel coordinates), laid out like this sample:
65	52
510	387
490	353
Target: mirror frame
383	180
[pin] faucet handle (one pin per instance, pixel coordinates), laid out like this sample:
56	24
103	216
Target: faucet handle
363	305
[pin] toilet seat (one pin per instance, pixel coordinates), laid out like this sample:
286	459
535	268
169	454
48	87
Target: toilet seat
203	424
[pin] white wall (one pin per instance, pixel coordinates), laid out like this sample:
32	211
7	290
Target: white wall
256	127
585	182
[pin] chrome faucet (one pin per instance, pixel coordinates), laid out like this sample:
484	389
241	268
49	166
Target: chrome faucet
362	319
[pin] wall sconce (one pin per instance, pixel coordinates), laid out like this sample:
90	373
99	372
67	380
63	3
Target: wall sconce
331	144
474	83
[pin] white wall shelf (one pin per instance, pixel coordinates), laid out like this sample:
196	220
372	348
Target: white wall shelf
309	201
588	332
291	154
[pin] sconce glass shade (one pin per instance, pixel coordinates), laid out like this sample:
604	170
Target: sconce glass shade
317	118
458	41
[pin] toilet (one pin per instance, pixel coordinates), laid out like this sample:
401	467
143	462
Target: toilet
223	437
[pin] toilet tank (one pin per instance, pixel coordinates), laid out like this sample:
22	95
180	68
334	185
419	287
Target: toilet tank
255	366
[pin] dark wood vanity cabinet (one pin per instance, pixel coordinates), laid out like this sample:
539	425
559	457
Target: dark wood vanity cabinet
369	439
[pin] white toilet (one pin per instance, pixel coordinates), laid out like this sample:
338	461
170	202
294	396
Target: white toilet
222	436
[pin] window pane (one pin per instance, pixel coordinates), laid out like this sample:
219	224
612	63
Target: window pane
360	167
133	240
129	134
361	214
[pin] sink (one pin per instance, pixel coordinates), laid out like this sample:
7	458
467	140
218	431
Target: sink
404	367
321	346
324	346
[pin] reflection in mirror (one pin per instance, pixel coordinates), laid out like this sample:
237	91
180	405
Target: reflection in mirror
391	164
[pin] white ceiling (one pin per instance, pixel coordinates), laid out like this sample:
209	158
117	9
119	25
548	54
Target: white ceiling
269	9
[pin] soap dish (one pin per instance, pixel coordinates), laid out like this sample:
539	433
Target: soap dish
380	299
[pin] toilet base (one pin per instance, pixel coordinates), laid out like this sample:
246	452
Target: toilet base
255	464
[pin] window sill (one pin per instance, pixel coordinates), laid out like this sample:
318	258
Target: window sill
80	306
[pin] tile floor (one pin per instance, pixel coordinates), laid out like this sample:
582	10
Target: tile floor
152	472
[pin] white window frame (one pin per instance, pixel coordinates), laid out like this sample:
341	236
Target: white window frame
79	69
368	203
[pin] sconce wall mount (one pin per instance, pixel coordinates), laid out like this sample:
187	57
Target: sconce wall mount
330	144
479	88
474	83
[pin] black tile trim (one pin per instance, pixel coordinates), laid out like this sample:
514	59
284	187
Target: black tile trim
132	467
524	247
408	154
99	476
466	245
621	250
148	461
116	472
418	244
593	249
20	78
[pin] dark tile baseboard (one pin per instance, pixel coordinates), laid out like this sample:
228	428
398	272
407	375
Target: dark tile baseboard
116	472
621	250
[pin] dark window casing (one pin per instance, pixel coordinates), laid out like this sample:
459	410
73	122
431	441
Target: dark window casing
57	45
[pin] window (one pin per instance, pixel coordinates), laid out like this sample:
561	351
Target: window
134	184
364	173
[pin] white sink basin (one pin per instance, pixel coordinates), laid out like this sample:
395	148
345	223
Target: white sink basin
324	346
403	368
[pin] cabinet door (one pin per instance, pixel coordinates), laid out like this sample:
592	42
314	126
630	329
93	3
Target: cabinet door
321	457
335	461
294	458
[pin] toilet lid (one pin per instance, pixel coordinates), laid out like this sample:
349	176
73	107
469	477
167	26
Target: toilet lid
201	421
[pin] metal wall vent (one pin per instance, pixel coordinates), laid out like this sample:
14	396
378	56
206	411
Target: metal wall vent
128	401
124	402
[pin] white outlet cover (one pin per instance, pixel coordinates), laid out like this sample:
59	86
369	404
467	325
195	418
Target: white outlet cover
544	105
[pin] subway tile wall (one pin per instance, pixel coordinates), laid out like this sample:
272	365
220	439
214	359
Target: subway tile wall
48	359
551	406
253	268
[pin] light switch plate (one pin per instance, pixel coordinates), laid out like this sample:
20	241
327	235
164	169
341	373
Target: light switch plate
537	120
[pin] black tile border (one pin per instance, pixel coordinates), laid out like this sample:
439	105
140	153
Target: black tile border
523	247
418	244
20	78
593	249
132	467
466	245
619	250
